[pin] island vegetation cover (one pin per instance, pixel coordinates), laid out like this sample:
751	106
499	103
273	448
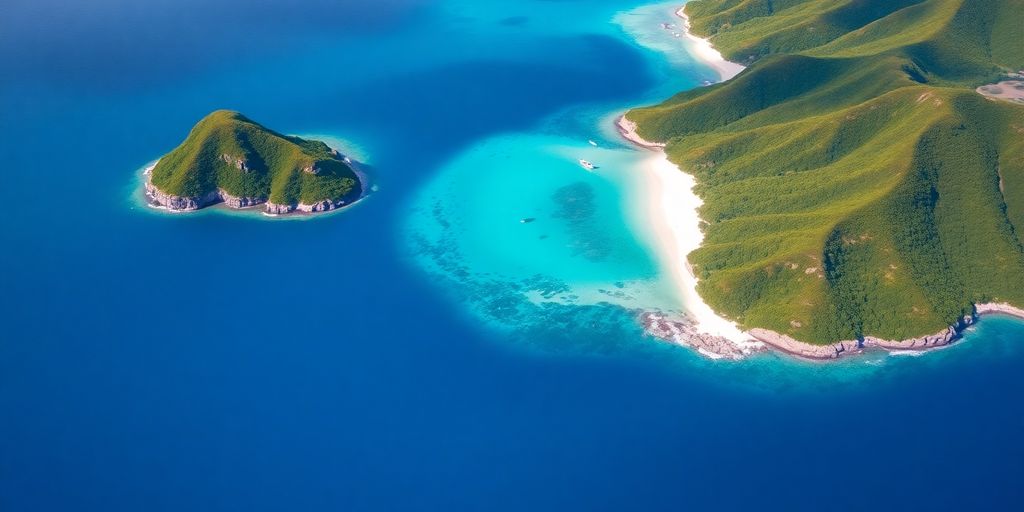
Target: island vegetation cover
229	157
854	182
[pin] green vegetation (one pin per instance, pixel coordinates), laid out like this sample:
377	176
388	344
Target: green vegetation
227	151
854	182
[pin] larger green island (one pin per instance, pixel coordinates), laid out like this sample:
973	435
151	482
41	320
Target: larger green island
855	183
228	158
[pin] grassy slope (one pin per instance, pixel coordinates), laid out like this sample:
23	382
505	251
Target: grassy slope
275	164
854	183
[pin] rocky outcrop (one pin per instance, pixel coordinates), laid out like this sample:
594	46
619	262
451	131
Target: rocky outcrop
180	203
184	203
794	347
628	128
279	209
839	349
939	339
1007	90
240	202
791	346
683	331
318	207
240	163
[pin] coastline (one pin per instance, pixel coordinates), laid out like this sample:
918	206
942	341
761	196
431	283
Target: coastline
676	231
627	129
705	51
157	199
674	223
787	345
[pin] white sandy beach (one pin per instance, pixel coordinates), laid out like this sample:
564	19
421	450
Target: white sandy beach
674	225
702	49
672	216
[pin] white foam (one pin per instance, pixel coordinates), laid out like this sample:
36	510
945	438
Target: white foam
908	353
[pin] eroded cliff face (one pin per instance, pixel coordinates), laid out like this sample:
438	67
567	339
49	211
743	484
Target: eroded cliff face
186	204
791	346
240	202
321	206
180	203
939	339
279	209
318	207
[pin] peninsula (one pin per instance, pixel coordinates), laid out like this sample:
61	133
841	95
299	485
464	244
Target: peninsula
856	187
230	159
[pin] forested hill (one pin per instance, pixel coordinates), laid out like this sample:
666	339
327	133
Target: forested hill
854	182
228	152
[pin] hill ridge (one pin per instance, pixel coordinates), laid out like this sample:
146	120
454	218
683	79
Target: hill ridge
845	195
229	158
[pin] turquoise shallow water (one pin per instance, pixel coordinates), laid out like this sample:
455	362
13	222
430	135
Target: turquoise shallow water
576	241
519	209
378	359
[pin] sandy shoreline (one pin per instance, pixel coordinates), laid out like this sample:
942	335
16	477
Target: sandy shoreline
675	223
703	49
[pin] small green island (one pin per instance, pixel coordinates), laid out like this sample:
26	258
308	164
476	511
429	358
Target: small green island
230	159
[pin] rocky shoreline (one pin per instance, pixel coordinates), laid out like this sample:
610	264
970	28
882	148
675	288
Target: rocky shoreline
685	332
627	129
159	199
682	331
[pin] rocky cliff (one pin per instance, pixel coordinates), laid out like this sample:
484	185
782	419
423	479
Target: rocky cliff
230	159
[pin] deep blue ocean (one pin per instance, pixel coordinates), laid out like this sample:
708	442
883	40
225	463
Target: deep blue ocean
221	362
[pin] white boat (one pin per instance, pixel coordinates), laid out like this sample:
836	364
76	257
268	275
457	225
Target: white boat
587	165
592	143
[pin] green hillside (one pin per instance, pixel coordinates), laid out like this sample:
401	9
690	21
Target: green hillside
227	151
854	182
